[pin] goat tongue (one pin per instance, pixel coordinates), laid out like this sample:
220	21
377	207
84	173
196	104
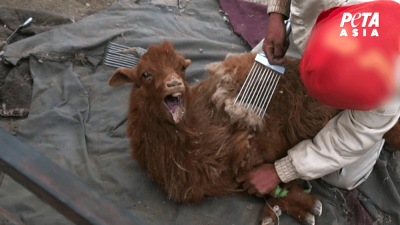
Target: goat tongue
178	114
172	103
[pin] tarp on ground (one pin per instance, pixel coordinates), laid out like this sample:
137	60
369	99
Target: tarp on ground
79	122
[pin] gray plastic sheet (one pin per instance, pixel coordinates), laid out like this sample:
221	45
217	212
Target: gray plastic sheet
78	121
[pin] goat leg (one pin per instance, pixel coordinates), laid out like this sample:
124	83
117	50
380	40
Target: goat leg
268	216
300	205
297	212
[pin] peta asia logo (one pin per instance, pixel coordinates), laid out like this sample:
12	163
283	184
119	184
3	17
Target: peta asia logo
365	23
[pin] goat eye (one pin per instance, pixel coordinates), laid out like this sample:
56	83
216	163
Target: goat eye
183	69
146	75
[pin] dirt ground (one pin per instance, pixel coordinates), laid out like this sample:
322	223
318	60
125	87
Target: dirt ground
74	9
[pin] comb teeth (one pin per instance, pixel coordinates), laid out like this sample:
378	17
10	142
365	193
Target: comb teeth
259	86
115	59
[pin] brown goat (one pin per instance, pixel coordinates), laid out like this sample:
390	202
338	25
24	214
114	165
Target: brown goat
192	141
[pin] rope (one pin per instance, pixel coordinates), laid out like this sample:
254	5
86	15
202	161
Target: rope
276	214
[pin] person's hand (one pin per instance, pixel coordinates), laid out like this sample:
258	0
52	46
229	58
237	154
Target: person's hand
275	42
260	181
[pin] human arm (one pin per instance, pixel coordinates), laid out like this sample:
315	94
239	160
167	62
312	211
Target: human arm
275	42
342	141
279	6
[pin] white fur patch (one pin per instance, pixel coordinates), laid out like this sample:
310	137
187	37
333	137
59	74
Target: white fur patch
223	99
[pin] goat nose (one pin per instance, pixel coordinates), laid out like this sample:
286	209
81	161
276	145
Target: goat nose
174	82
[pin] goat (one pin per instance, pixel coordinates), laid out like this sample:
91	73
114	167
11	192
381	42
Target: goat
193	142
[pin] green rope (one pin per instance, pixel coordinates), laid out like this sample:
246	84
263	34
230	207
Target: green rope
284	193
277	191
280	193
308	191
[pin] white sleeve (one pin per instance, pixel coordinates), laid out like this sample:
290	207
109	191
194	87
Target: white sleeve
342	141
279	6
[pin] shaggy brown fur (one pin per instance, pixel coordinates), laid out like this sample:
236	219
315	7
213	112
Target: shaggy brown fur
199	151
393	136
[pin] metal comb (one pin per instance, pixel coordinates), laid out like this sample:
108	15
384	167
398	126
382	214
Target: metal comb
260	84
114	58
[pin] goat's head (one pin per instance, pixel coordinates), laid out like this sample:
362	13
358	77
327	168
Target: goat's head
160	79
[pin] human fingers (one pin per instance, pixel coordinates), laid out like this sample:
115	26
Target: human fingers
247	185
268	49
252	190
241	177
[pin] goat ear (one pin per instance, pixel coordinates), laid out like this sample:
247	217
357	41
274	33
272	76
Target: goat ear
215	68
187	62
122	76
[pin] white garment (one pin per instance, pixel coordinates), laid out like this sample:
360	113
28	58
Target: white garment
346	149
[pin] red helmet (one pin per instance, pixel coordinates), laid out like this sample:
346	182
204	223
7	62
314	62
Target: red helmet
350	59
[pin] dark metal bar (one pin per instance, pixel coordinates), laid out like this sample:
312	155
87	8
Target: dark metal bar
57	187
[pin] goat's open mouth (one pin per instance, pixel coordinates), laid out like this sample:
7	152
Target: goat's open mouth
174	102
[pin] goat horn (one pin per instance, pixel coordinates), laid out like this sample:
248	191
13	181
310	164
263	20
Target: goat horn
136	51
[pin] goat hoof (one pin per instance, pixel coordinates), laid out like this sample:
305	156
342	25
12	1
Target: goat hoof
317	210
310	220
277	210
267	221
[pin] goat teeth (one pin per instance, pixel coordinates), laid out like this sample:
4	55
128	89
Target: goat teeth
177	94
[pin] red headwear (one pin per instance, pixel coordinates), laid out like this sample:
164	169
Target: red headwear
354	71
